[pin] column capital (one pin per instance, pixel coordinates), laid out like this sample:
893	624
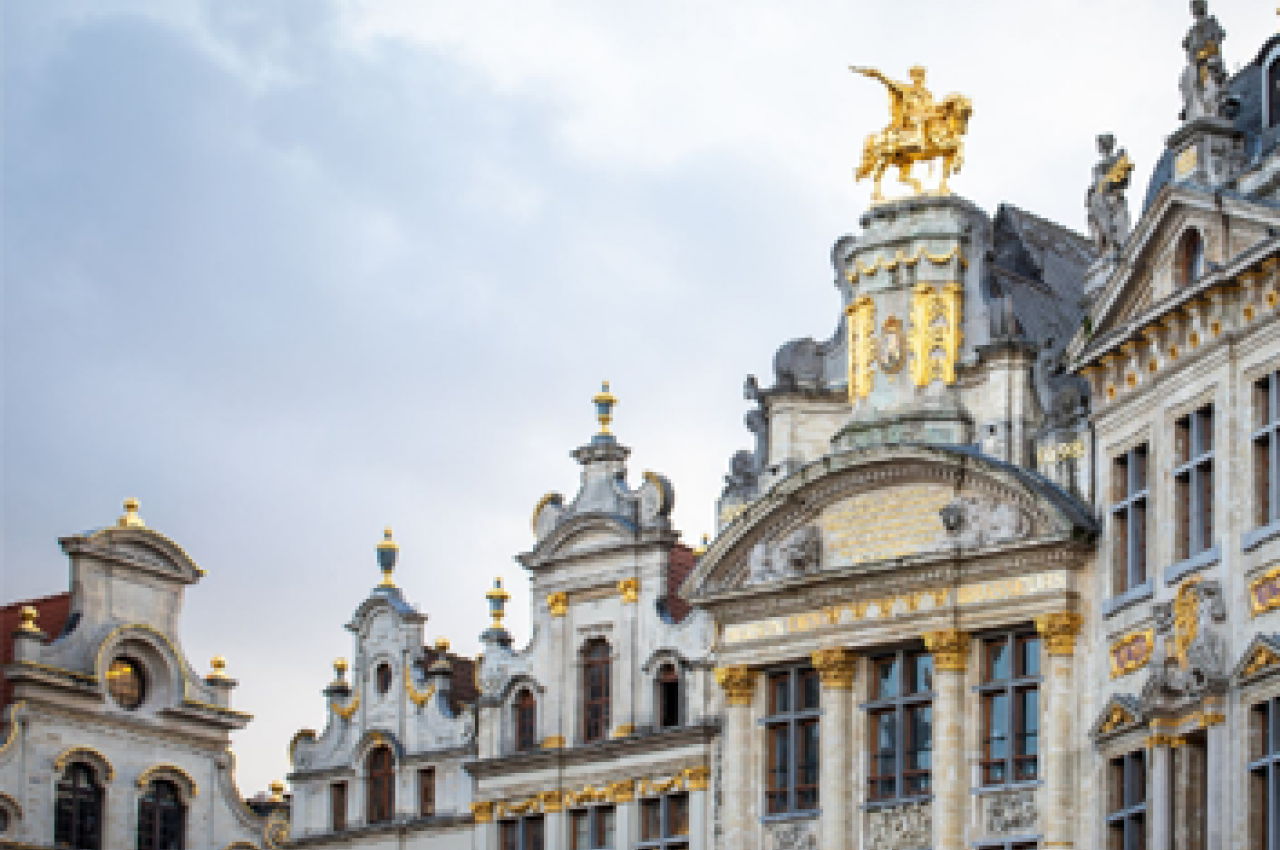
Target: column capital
738	683
836	666
1060	631
950	648
482	811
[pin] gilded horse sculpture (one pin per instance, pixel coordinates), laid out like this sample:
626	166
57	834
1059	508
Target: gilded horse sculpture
919	130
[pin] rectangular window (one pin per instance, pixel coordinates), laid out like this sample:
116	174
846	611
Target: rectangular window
664	823
791	739
427	791
1266	450
1264	776
1010	692
900	719
1127	802
593	828
338	806
1129	500
1193	482
521	834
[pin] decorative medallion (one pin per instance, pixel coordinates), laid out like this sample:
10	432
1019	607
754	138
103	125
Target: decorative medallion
1264	592
1132	652
891	346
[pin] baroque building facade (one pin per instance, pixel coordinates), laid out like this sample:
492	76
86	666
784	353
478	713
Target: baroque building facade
1001	570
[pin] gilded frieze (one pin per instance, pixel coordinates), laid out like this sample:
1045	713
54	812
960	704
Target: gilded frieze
862	347
885	524
935	332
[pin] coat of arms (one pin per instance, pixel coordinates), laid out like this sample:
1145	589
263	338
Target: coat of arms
891	346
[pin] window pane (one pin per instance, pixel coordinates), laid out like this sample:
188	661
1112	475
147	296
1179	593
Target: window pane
605	827
580	831
807	781
651	820
887	677
884	749
919	755
1182	440
1029	716
1029	663
1138	469
780	693
811	688
998	660
677	815
1135	784
508	835
779	768
533	834
921	673
1120	478
1204	435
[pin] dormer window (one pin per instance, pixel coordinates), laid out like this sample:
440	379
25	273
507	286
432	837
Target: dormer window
1190	259
383	676
126	683
668	697
526	717
596	691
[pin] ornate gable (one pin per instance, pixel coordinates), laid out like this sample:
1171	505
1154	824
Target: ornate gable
1261	659
1122	713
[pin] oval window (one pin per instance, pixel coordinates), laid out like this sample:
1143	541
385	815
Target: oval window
126	683
384	678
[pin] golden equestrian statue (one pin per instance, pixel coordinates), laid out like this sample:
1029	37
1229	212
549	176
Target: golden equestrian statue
919	130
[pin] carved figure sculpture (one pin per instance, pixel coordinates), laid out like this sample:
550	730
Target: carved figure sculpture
1109	222
1204	79
801	551
919	130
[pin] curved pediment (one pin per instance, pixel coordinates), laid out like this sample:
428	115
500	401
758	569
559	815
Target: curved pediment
139	547
883	504
383	601
582	534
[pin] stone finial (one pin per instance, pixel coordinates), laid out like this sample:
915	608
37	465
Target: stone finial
130	519
950	649
218	669
1060	631
339	673
388	554
277	791
738	684
836	666
497	602
702	547
604	402
442	644
28	616
629	590
558	603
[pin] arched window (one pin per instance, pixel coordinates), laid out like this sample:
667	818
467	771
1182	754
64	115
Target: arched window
526	709
162	818
668	696
1273	92
77	819
1190	257
384	678
381	769
595	690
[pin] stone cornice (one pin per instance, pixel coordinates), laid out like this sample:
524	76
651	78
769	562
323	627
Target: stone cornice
604	751
402	826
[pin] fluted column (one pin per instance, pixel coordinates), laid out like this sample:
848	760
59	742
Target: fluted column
835	766
1057	737
739	685
950	649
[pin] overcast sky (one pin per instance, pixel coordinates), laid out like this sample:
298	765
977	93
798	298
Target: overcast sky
289	272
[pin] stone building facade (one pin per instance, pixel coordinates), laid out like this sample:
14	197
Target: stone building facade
111	739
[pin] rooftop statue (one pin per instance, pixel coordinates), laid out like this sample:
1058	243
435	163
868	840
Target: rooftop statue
1108	210
1204	79
920	130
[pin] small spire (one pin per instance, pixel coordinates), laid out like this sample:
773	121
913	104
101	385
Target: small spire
130	518
497	602
604	402
339	673
28	616
388	553
219	668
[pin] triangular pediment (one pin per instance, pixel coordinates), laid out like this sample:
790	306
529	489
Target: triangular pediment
1122	713
1260	659
870	507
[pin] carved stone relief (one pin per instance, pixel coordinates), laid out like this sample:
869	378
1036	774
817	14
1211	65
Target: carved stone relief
791	836
798	553
979	521
1011	812
905	827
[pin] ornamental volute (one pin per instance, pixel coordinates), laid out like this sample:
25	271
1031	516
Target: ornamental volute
738	684
950	649
1059	631
836	666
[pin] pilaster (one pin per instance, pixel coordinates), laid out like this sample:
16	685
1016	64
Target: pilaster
950	649
1160	791
739	685
1059	632
835	767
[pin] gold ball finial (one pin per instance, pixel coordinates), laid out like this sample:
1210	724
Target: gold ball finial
442	644
131	518
277	791
340	668
219	667
28	616
497	602
604	402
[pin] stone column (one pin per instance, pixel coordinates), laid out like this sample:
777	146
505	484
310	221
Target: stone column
696	782
950	648
739	685
486	831
1057	733
1160	791
1217	741
835	765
